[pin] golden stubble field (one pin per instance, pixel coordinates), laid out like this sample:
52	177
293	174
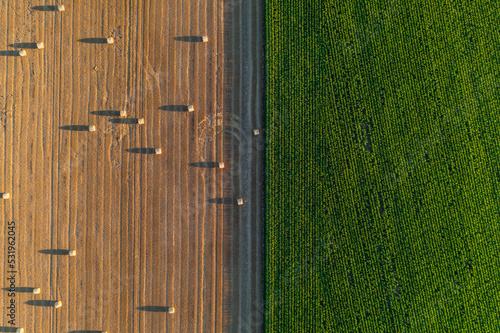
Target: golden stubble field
150	231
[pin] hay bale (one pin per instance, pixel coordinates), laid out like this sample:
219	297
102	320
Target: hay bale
204	39
36	291
60	8
72	253
40	45
256	132
19	330
140	121
190	108
5	195
22	53
157	151
123	113
221	165
57	304
171	310
110	40
91	128
239	201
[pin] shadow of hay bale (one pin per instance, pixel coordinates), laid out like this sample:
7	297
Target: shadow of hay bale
24	45
93	40
177	108
204	164
129	121
141	150
8	329
57	252
191	39
111	113
81	128
21	290
9	53
41	302
46	8
153	308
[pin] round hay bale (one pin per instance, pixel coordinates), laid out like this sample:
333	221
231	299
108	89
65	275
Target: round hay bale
40	45
204	39
5	195
36	291
19	330
221	165
157	151
57	304
190	108
123	113
256	132
110	40
91	128
239	201
72	253
60	8
22	53
140	121
171	310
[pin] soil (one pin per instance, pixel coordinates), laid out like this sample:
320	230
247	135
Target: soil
150	230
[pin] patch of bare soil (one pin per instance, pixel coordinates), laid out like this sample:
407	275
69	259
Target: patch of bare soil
151	231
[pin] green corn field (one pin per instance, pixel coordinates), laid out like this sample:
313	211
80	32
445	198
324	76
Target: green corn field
383	166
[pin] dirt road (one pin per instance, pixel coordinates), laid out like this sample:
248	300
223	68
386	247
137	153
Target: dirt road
150	230
244	99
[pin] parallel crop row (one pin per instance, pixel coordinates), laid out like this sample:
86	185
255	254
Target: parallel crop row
383	166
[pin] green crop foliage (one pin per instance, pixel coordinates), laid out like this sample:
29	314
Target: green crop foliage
383	177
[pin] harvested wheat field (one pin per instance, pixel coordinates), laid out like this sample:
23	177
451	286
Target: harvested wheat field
150	230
